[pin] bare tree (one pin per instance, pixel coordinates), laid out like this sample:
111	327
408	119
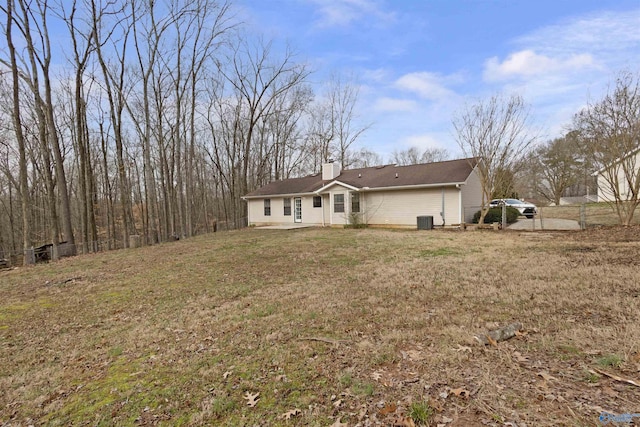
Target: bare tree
33	68
495	132
560	166
82	42
364	158
320	134
212	23
148	35
343	99
610	133
43	57
258	79
113	82
413	156
17	127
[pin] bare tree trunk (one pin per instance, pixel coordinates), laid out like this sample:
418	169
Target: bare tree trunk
44	62
114	87
153	40
27	244
107	191
44	119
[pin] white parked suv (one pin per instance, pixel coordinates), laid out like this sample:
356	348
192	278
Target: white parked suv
526	209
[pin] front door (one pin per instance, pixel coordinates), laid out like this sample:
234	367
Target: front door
297	209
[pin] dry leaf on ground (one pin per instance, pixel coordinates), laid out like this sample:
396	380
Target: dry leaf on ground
292	413
461	393
403	422
252	398
389	408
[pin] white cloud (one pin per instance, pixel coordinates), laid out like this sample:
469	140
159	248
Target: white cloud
426	85
386	104
340	13
527	63
558	67
584	48
603	34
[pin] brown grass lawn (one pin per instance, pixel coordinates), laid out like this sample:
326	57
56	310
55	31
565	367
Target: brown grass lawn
596	214
327	327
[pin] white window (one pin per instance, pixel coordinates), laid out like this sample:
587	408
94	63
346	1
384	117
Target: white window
287	206
355	202
338	203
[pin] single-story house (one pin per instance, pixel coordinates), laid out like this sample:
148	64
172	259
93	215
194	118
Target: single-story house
614	179
388	195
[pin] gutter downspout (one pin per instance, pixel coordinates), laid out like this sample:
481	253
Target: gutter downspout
460	208
442	212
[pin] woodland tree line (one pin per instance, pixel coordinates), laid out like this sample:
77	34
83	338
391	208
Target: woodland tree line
155	122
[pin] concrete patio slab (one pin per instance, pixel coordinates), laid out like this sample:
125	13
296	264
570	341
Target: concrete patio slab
284	227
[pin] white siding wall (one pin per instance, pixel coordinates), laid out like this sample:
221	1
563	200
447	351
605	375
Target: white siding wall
339	218
604	187
471	196
310	215
604	190
326	207
402	207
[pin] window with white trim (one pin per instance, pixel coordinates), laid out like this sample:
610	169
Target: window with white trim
355	202
287	206
338	203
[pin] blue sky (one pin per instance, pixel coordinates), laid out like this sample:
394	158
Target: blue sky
419	61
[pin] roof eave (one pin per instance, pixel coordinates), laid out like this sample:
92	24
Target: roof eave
616	161
414	186
336	182
266	196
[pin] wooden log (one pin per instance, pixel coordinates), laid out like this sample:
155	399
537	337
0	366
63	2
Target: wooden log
501	334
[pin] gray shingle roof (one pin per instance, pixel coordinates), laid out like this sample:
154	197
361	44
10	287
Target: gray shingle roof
388	176
307	184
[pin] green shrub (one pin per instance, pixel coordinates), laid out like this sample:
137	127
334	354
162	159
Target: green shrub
495	215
